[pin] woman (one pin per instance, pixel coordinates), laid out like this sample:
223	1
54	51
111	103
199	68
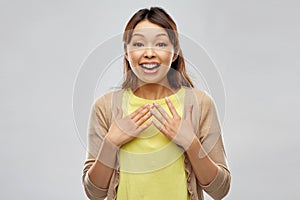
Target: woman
158	137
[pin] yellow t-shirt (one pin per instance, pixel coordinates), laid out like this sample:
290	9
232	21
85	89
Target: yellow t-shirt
152	166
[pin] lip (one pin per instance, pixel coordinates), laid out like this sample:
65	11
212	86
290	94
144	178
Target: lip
149	63
152	70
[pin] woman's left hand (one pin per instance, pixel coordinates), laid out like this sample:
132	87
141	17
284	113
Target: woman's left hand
179	130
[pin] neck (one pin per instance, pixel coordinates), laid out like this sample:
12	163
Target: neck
154	91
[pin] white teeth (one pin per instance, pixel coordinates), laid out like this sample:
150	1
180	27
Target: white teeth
150	66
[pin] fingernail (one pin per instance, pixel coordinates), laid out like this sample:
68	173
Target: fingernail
167	98
156	104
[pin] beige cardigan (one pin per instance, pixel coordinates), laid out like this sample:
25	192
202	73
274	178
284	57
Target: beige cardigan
205	121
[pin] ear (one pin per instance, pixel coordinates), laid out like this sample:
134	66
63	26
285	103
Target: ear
175	56
125	51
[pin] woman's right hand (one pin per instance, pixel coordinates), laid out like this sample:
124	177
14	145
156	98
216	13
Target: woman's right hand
125	129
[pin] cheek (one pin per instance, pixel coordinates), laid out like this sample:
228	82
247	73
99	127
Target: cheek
134	56
167	56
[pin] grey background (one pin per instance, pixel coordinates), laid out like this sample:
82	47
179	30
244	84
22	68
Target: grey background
43	44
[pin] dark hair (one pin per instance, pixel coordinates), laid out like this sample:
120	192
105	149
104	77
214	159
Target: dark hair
177	77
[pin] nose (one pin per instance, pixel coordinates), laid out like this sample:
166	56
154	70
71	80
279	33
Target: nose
149	52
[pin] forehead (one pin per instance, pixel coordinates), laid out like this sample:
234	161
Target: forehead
149	29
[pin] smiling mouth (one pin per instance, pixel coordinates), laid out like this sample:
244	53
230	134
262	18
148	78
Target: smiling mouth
150	66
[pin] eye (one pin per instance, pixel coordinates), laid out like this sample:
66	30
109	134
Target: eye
161	44
137	44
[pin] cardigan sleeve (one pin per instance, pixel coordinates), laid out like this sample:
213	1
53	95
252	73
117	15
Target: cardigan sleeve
212	142
97	128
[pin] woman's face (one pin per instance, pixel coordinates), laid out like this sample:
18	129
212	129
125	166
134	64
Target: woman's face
150	52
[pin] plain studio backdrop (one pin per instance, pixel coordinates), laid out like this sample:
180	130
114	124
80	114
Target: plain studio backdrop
43	44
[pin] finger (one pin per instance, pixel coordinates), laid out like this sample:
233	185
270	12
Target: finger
159	126
162	111
171	108
161	119
188	112
142	113
146	125
143	118
134	113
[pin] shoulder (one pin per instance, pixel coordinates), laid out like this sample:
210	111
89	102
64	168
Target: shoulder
106	100
201	96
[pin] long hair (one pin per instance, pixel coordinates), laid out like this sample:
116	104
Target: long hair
176	77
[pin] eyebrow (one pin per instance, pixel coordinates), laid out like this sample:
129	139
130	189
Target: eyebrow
141	35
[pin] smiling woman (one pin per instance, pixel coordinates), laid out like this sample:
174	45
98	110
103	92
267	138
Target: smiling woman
150	53
158	137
